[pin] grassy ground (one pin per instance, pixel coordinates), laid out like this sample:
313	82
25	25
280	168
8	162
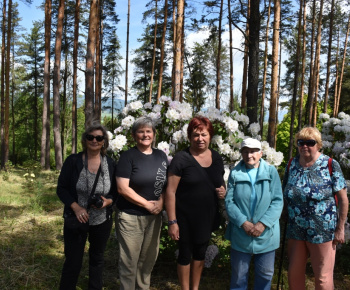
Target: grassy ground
31	244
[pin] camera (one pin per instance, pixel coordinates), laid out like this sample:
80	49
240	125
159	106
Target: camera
95	200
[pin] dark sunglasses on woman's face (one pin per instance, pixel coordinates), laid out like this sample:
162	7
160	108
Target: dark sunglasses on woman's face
308	143
98	138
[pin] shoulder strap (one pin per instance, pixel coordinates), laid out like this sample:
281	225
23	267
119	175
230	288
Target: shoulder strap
330	167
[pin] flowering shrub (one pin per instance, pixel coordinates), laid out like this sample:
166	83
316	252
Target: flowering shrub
336	138
171	119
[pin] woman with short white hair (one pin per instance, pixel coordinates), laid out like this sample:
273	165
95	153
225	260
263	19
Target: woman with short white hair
254	203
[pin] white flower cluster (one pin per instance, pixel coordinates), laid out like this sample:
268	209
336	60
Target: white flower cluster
117	143
171	119
336	137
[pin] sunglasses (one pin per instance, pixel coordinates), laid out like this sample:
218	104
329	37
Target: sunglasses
98	138
308	143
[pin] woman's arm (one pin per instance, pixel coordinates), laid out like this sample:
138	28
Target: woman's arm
343	207
170	202
129	194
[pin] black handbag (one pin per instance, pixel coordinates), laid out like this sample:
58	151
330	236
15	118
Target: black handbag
70	219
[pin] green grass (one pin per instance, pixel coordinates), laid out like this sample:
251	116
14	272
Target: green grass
31	244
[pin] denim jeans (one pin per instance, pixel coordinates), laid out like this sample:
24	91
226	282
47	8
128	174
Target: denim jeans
263	270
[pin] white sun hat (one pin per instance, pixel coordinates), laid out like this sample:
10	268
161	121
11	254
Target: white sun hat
251	143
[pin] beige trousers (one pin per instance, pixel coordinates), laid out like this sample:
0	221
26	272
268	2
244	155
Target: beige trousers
138	238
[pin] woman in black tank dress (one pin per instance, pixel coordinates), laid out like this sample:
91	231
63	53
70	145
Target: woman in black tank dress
195	183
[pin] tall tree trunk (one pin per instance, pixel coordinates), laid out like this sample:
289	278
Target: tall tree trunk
45	136
311	89
271	137
295	86
182	58
253	70
13	89
75	75
161	67
342	66
303	65
3	56
154	51
90	61
231	55
97	103
7	80
179	24
174	51
127	56
335	113
56	87
262	109
329	57
245	62
317	65
218	60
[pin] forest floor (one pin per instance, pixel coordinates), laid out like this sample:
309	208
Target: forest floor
32	254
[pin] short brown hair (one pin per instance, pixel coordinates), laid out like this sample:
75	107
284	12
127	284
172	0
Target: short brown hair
93	127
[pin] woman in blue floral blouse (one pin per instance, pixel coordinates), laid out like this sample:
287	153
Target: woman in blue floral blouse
315	223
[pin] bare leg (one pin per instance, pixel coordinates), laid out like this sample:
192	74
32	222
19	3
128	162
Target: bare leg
183	273
196	273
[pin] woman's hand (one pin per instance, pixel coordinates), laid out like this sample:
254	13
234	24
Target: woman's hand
155	206
106	202
258	229
248	227
221	192
173	231
80	212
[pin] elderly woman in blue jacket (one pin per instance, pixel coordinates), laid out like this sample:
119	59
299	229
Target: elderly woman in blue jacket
254	203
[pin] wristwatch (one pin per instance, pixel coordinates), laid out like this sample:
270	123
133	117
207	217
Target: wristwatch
172	222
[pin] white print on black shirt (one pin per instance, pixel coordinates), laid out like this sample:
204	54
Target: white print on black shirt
160	180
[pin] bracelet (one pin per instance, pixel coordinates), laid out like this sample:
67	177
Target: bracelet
172	222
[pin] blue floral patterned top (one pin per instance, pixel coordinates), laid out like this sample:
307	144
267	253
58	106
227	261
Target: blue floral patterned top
312	213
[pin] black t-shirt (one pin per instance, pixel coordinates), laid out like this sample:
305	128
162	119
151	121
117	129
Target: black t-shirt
196	199
147	174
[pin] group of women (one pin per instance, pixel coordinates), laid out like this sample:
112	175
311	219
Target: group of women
190	188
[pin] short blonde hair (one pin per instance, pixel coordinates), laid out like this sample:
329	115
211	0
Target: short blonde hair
309	133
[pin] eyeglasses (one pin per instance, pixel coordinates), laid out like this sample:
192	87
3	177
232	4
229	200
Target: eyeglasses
98	138
308	143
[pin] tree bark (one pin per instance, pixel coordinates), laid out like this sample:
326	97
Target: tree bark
179	24
154	52
311	89
218	60
161	67
174	52
7	80
75	75
317	65
90	62
342	67
231	55
303	64
295	86
3	56
253	69
329	57
127	56
271	138
245	63
97	103
262	109
56	87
